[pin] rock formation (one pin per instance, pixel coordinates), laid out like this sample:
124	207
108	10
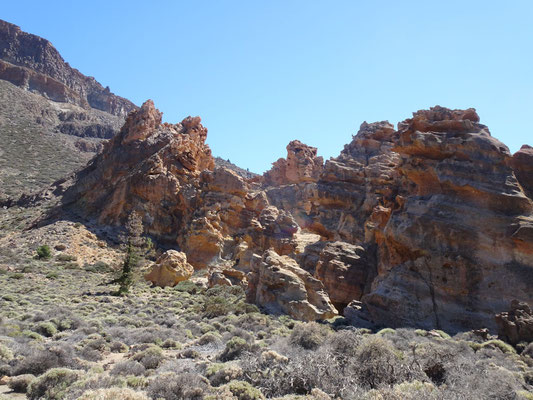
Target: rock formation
516	325
170	269
457	246
301	165
442	211
429	225
522	164
281	286
34	64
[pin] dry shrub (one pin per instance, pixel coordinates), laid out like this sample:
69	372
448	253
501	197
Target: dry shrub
113	394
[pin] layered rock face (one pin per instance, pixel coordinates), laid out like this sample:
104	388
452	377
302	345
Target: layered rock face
348	189
457	246
522	164
34	64
429	225
442	211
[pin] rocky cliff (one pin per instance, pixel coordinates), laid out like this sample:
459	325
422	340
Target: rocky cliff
32	63
426	225
53	119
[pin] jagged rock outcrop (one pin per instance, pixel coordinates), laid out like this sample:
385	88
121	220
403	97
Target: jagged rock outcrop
150	167
301	165
32	63
441	209
425	226
516	325
281	286
170	269
348	189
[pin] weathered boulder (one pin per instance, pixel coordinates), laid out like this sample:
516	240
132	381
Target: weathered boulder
516	325
170	269
279	285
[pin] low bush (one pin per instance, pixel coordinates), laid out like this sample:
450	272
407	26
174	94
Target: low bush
53	385
44	252
46	328
234	348
309	335
150	358
171	386
113	394
244	391
20	383
129	367
219	374
6	354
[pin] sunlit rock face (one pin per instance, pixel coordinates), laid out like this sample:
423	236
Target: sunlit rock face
458	245
32	63
301	165
442	210
426	225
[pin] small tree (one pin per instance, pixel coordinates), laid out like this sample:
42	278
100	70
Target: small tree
44	252
133	241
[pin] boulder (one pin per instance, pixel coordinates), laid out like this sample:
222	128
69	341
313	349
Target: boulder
279	285
516	325
170	269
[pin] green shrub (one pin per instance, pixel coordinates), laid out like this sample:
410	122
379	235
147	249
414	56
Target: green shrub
150	358
53	384
309	335
234	348
219	374
8	297
113	394
46	328
44	252
6	354
98	267
171	386
244	391
52	275
66	257
504	347
386	331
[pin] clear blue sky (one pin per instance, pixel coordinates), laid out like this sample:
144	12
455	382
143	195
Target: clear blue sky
261	73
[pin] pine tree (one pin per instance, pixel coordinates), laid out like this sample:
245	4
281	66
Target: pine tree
133	242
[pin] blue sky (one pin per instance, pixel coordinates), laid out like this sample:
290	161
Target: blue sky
261	73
